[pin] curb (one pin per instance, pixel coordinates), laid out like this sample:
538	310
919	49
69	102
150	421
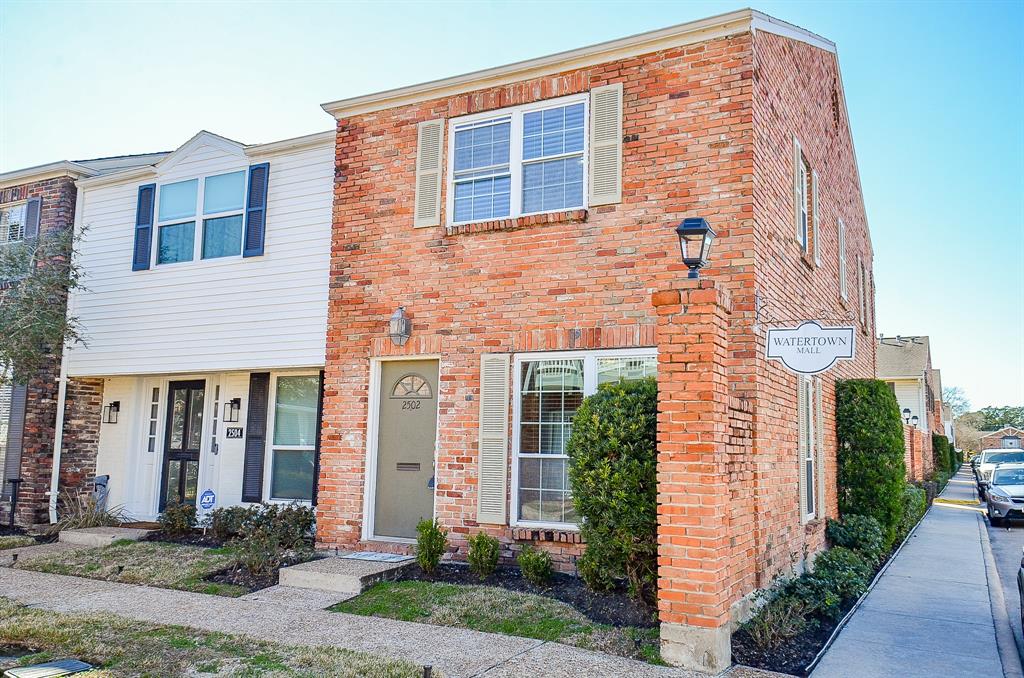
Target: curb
1008	655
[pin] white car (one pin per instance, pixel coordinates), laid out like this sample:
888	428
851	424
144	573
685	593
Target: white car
994	458
1006	493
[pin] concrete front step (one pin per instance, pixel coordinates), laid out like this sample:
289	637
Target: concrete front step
340	574
101	536
296	598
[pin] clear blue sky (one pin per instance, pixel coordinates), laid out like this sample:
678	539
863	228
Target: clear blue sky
935	92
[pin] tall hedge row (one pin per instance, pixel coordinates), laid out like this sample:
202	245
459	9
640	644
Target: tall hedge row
944	455
871	474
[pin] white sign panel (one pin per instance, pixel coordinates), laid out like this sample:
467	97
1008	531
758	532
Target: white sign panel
810	348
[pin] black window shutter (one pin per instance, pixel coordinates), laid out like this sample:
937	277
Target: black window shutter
33	210
319	429
15	436
255	437
256	210
143	227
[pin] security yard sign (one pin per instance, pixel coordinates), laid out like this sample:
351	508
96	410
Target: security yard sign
810	348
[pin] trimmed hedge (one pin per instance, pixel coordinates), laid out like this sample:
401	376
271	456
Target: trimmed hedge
871	472
613	474
944	455
914	504
862	534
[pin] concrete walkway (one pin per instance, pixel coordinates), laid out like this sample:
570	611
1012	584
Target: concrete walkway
931	613
453	652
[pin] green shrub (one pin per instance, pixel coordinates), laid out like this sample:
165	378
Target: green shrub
843	571
178	520
265	534
871	471
613	475
484	551
915	503
782	616
431	543
536	565
226	523
259	550
862	534
290	523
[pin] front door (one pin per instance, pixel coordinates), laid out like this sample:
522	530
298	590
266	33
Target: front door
405	447
185	404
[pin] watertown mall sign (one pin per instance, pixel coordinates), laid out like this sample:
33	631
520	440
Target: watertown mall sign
810	348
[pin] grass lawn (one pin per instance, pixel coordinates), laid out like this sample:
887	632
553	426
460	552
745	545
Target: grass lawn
498	610
123	647
14	541
170	566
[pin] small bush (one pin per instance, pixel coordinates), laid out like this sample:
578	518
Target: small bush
78	510
291	523
266	534
613	475
536	565
226	523
178	520
259	550
484	551
915	503
843	571
781	617
862	534
431	543
871	470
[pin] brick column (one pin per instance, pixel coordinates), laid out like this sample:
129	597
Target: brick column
695	564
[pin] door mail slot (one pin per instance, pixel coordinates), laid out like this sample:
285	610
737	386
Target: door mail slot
407	466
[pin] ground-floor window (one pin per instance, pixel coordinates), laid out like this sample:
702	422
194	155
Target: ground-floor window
549	388
293	449
809	415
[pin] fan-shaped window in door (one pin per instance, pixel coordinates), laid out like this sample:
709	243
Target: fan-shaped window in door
412	386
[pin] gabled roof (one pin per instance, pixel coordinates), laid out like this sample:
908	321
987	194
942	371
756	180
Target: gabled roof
902	357
1005	431
77	169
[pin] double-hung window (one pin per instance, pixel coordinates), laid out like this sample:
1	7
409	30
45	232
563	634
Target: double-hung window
549	388
293	447
808	446
12	223
519	161
216	202
803	234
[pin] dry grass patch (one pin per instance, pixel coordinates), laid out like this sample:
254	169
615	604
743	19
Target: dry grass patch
170	566
497	610
14	541
123	647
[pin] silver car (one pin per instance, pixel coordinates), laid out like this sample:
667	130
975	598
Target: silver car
994	458
1006	493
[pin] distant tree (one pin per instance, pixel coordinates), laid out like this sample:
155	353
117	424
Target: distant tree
995	418
955	397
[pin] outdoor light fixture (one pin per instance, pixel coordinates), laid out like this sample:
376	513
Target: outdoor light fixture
914	420
695	237
231	410
399	327
906	415
110	412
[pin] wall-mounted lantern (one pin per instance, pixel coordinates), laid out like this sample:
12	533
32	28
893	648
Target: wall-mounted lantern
231	410
914	421
399	327
906	415
110	412
695	238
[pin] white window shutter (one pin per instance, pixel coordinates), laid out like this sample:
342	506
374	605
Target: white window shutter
492	487
606	145
819	429
428	174
797	189
801	406
815	230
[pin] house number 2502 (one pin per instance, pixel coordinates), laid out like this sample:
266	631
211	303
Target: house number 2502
411	404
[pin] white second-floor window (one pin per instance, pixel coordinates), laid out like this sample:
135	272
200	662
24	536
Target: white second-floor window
12	223
518	161
216	202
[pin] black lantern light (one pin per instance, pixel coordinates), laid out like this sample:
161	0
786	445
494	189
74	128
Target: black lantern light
111	411
695	238
914	421
231	410
399	327
906	415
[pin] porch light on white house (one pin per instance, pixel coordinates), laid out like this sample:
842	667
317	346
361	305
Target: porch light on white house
231	410
914	421
695	238
111	411
906	415
399	327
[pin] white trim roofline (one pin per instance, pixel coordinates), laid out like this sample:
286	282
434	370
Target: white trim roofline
47	171
732	23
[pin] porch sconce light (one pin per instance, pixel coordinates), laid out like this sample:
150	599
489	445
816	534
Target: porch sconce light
399	327
914	421
695	238
231	410
110	412
906	415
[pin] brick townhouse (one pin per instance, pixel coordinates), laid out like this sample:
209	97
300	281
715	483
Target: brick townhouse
34	202
504	242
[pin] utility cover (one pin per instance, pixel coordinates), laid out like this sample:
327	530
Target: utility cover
62	667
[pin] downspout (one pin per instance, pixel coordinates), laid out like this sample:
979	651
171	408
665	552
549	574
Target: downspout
62	383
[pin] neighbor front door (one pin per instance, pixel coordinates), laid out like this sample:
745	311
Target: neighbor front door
180	480
406	429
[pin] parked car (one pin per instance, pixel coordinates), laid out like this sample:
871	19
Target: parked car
1005	496
990	463
979	459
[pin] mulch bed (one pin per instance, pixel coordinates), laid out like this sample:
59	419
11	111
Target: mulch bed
615	608
194	538
240	576
792	656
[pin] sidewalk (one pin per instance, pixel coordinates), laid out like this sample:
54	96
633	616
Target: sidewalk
931	612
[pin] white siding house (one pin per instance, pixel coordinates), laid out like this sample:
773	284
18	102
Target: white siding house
204	312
